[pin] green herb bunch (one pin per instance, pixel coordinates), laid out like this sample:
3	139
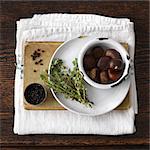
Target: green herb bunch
68	82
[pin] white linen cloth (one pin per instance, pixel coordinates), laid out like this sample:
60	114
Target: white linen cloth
62	27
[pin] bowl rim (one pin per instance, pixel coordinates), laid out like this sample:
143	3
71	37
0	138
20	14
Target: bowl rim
124	55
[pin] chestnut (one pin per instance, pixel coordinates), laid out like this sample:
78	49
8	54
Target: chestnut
89	62
104	77
103	63
93	73
114	75
116	64
113	54
97	52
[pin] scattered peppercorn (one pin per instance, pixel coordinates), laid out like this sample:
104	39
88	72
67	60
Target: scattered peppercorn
40	60
35	55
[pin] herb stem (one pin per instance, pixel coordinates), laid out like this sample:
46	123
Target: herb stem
68	82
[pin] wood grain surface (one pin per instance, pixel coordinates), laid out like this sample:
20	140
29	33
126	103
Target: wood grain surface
10	12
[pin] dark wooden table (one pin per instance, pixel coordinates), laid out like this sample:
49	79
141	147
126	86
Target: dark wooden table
12	11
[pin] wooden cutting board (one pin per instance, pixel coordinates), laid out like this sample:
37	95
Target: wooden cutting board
33	69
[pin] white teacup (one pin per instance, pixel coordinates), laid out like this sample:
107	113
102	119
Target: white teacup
105	43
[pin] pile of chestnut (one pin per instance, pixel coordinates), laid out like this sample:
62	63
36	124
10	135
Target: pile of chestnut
103	66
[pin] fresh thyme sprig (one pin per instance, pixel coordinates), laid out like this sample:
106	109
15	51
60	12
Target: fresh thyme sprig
68	82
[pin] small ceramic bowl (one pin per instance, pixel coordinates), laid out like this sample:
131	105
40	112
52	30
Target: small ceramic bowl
35	94
105	43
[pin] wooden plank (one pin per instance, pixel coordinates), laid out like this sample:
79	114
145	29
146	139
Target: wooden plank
104	147
34	77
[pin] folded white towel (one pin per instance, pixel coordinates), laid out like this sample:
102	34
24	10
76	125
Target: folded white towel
62	27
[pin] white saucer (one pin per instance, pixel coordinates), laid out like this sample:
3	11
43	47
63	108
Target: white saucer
104	100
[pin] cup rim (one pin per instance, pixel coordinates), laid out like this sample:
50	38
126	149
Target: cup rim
124	54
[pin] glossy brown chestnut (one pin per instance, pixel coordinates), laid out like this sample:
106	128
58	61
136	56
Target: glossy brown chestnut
116	64
114	75
103	63
104	77
89	62
97	52
113	54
